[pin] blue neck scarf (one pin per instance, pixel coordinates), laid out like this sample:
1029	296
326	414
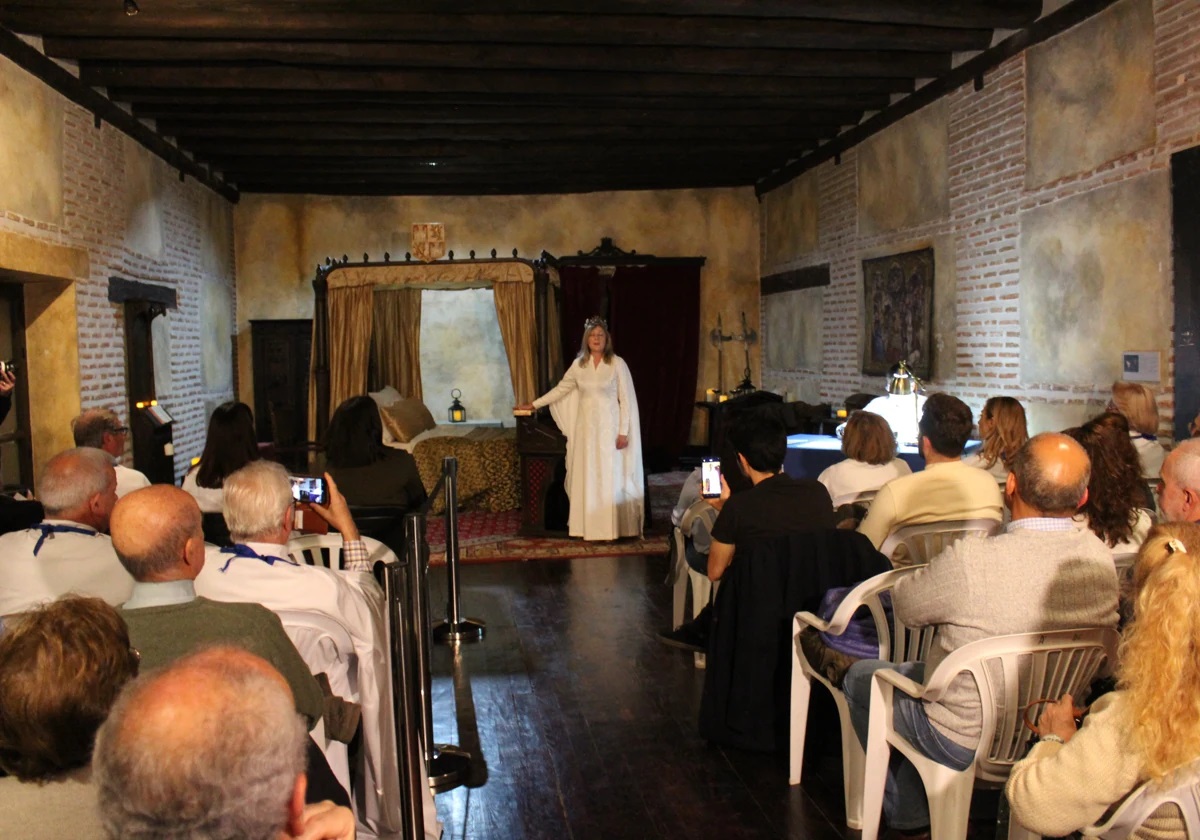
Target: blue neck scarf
240	550
49	529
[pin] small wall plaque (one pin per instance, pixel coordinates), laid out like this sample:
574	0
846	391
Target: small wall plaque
1137	366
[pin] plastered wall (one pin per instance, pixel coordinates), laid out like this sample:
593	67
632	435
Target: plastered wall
280	240
79	205
1053	241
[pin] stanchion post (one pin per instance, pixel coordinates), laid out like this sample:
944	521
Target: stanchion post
455	628
448	765
404	702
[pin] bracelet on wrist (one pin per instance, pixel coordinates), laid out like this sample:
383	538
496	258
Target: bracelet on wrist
1050	736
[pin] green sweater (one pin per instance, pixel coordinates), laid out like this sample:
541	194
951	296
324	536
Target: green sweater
164	634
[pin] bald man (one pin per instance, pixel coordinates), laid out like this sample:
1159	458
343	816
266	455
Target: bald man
1041	573
1179	483
209	746
157	536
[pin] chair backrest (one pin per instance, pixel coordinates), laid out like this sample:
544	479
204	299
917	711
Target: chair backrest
897	642
1124	562
928	540
326	550
1182	788
325	646
1013	671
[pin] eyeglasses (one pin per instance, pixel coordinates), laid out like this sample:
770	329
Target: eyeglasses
120	430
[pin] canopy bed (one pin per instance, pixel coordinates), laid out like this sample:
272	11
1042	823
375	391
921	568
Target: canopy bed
366	328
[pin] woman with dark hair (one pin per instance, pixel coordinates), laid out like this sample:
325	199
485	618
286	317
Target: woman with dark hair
871	462
1003	431
1116	491
367	472
231	444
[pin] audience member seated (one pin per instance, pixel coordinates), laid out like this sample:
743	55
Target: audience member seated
100	428
1146	728
1042	573
69	551
210	746
947	489
695	517
156	534
1116	490
775	504
1136	402
871	462
369	473
231	444
1002	432
1179	485
61	667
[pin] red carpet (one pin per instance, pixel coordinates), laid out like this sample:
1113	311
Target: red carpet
485	537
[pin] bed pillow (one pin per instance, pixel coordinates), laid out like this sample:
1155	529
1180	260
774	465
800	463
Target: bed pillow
385	397
406	419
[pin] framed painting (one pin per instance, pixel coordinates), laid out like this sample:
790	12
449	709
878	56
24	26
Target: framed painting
898	312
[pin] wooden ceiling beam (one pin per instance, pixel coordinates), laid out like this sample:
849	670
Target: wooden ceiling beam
332	130
483	186
1007	14
182	118
620	59
233	77
539	29
432	103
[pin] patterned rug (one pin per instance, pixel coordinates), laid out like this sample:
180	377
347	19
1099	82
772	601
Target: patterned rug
485	537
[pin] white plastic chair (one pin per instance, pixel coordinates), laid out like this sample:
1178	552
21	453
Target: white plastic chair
912	644
1181	788
326	549
1010	672
925	541
326	647
683	576
1124	562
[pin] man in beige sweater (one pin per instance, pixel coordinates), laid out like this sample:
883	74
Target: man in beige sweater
1042	573
947	488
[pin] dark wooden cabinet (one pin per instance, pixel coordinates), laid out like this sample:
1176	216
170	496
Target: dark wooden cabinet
542	449
281	352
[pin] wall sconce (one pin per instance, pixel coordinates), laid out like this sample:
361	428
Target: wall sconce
458	414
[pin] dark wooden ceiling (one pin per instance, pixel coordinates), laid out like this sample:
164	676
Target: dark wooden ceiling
507	96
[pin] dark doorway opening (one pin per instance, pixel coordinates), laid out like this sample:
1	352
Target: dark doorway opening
1185	211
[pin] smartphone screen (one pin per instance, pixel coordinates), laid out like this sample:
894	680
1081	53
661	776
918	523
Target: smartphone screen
710	478
309	489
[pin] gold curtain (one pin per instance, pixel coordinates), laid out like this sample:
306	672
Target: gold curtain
350	322
554	330
396	345
515	310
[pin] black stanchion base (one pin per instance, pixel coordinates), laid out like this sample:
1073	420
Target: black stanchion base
449	767
467	630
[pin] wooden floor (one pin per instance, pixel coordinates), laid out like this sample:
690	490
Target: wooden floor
586	723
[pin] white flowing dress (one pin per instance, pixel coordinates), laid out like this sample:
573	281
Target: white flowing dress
592	405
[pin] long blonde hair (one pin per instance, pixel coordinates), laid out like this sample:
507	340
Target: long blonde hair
589	325
1136	402
1008	433
1160	655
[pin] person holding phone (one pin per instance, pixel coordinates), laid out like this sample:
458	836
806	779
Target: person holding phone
596	407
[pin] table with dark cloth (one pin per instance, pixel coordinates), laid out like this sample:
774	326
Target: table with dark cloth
808	455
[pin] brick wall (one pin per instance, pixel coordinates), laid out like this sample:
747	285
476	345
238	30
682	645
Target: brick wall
987	193
94	183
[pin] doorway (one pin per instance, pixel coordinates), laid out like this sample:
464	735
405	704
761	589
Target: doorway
1185	212
16	449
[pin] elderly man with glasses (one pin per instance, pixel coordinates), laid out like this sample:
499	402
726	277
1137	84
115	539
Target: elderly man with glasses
99	428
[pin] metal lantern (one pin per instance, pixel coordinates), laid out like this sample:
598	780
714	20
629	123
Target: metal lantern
458	414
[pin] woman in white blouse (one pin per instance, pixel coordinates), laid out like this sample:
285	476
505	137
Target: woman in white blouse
1136	402
871	462
1003	431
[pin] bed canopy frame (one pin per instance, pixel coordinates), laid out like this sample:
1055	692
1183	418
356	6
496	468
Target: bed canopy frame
343	303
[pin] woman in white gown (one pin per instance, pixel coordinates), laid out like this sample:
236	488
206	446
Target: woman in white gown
596	408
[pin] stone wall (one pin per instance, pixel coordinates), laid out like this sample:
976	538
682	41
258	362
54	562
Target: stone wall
1052	246
81	205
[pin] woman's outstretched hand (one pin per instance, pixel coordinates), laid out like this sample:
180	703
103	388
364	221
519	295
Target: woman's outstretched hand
622	441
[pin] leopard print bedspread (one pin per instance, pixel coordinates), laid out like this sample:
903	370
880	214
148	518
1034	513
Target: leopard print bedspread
489	471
